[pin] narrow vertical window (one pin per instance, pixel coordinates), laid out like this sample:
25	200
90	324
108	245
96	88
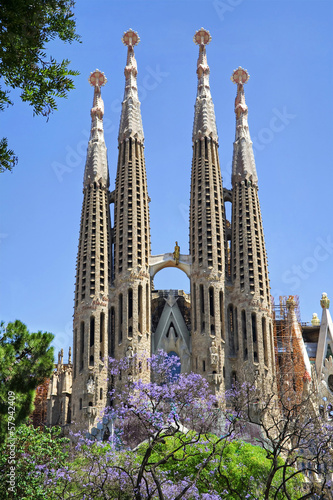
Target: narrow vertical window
91	340
244	335
130	303
254	337
111	332
195	308
147	308
74	353
202	301
202	309
101	335
236	329
221	314
272	345
101	327
211	301
231	330
92	331
264	339
254	327
140	308
120	308
81	344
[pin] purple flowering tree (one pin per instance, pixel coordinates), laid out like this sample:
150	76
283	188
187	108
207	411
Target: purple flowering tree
171	439
161	421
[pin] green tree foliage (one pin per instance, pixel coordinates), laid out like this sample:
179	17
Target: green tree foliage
237	470
26	359
26	27
34	451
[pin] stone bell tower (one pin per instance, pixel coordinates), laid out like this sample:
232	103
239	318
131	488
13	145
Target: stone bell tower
207	232
131	311
93	275
248	309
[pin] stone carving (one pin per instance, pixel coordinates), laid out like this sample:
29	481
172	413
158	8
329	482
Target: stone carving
213	354
129	352
324	302
132	276
91	386
60	356
315	321
176	253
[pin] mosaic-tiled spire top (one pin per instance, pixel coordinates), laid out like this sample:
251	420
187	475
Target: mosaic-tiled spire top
204	118
130	122
243	164
96	164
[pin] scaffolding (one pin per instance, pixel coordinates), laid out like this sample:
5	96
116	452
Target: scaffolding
290	363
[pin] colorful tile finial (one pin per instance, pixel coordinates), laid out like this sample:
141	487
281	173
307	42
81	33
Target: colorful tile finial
324	302
202	37
240	76
97	78
130	38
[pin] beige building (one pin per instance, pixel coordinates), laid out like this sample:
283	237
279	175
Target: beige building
224	329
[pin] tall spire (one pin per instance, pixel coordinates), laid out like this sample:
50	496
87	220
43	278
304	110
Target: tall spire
96	164
243	164
131	300
204	118
207	232
130	122
93	275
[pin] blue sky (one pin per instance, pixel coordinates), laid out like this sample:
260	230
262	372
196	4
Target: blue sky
287	48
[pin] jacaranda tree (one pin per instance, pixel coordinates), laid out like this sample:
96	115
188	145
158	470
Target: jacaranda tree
171	438
167	437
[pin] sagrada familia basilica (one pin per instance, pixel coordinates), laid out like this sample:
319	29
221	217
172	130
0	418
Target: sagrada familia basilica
227	327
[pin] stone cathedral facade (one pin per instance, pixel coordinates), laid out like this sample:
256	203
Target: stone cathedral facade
224	328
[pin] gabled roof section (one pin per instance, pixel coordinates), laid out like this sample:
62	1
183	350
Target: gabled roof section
171	314
130	121
204	115
243	164
96	169
325	335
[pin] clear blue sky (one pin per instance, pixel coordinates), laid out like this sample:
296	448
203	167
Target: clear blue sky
286	47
